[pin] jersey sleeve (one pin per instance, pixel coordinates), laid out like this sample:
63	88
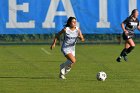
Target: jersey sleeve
126	20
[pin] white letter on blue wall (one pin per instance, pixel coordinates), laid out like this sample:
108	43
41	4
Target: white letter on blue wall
132	5
52	12
13	8
103	23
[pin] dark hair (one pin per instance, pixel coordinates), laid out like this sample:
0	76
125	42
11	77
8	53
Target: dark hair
69	21
133	12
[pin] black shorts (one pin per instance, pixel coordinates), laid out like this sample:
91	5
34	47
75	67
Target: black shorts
126	37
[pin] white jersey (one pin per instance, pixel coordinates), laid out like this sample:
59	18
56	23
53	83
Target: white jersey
70	37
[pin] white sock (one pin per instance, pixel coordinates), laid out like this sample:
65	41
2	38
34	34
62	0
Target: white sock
64	67
67	69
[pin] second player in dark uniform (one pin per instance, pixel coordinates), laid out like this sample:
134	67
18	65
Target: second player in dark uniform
128	26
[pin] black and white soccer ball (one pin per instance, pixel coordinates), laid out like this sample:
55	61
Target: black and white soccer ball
101	76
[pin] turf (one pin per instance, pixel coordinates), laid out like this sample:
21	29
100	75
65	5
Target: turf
35	69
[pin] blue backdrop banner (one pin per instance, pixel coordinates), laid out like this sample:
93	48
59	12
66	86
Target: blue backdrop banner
49	16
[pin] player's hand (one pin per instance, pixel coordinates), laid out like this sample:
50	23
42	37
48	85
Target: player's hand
52	46
82	39
126	32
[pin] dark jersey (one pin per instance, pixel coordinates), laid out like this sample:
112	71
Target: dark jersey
131	24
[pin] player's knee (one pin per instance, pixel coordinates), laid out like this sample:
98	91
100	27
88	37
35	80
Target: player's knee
133	45
74	60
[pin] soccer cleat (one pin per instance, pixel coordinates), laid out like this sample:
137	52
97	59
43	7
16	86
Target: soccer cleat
62	76
118	59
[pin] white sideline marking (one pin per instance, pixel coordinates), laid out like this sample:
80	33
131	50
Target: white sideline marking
45	51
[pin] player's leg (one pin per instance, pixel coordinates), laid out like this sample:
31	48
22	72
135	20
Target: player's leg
72	60
131	47
66	66
63	69
123	52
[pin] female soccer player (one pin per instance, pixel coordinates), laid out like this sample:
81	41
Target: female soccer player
71	33
128	27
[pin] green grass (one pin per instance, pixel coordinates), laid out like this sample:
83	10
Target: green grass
28	69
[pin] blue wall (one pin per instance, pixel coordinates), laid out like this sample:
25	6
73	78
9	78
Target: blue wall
86	12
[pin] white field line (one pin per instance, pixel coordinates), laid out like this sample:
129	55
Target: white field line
48	53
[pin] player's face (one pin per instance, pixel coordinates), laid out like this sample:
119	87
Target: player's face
73	23
136	14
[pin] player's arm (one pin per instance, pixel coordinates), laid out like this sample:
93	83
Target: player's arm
81	36
123	28
123	25
56	38
138	27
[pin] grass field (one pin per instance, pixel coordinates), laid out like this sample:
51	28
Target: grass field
35	69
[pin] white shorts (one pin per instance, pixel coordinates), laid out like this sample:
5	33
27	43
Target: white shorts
68	50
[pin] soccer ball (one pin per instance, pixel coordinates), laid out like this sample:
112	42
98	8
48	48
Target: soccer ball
101	76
